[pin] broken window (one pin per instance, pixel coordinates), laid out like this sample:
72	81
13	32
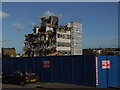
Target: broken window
58	36
63	44
43	37
63	36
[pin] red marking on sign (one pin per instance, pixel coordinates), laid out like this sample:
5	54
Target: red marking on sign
105	64
97	71
46	64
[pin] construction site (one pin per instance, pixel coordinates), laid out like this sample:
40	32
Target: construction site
50	39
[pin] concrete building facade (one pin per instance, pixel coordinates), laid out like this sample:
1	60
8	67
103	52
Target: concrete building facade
76	38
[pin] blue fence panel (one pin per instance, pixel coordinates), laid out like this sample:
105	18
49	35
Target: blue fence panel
46	69
19	64
56	69
78	70
118	70
112	71
4	66
9	66
102	72
22	64
89	70
37	66
16	65
66	69
29	63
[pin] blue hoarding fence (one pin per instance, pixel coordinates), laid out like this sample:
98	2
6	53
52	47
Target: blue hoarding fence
108	71
85	70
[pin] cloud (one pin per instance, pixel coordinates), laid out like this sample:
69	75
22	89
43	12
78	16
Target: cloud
3	14
33	24
61	16
39	17
48	13
18	27
3	40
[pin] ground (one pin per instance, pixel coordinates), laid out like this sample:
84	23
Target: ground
43	85
46	86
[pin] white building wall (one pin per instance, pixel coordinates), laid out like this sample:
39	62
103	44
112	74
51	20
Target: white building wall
76	38
67	33
63	40
63	48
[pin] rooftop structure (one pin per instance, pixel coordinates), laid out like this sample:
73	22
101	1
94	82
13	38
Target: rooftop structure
8	52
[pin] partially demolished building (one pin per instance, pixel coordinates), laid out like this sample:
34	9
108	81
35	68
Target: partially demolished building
52	39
